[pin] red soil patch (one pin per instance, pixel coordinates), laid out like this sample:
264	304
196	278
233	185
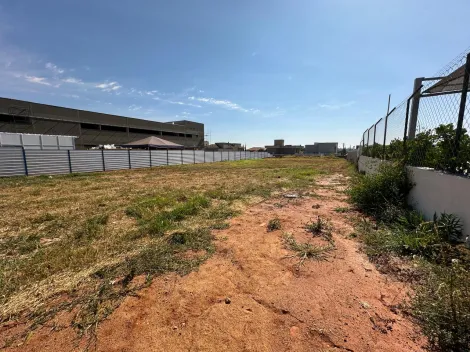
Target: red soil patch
250	297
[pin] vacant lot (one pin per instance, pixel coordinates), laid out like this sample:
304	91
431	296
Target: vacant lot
72	249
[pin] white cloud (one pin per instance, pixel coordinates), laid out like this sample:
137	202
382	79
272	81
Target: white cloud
223	103
38	80
72	80
54	68
177	102
337	106
134	107
75	96
108	86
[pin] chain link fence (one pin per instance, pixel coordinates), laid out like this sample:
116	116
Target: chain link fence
431	127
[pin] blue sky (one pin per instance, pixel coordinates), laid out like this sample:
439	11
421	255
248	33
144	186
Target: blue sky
251	71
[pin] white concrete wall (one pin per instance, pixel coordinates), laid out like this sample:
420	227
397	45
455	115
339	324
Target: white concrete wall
369	165
437	192
353	156
433	191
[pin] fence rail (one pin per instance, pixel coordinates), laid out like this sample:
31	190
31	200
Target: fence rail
431	127
20	161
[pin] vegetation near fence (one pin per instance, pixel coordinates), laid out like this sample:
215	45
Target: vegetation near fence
430	127
433	148
440	265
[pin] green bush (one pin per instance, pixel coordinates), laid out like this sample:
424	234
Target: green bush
383	194
442	305
433	148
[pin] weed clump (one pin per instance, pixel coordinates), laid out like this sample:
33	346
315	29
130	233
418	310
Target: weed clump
274	224
305	251
321	227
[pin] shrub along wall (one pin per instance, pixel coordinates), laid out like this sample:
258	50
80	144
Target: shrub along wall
433	191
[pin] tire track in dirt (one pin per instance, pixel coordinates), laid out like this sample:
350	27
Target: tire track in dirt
250	297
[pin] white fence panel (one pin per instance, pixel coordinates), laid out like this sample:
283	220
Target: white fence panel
116	159
188	156
174	157
159	157
140	159
209	157
11	162
200	156
47	162
86	160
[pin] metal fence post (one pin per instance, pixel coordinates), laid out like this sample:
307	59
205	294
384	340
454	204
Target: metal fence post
385	135
463	102
194	155
221	155
167	160
150	155
405	153
181	156
102	158
204	156
373	144
70	160
415	108
25	162
129	158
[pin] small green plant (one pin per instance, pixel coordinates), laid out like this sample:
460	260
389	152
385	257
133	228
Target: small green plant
305	251
449	227
274	224
342	209
321	227
442	305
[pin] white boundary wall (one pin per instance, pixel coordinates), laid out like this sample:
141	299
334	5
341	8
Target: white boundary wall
433	191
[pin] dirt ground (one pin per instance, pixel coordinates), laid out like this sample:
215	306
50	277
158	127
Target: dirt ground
252	296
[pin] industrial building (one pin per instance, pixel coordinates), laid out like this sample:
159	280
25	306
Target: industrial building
321	148
92	128
279	149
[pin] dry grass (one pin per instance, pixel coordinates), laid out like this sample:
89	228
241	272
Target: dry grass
81	232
